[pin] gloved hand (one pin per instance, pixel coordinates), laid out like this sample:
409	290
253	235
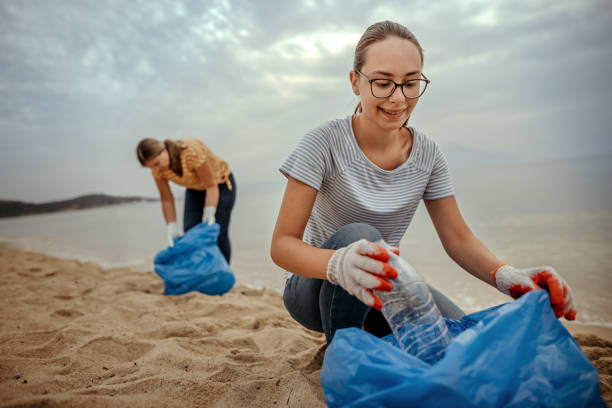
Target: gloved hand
515	282
359	268
209	215
381	242
173	232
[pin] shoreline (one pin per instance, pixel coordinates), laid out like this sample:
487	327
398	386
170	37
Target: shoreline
74	334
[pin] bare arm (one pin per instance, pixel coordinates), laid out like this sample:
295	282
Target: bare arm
459	241
206	175
288	250
167	200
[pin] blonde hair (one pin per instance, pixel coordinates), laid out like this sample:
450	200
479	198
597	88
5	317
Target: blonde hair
148	149
378	32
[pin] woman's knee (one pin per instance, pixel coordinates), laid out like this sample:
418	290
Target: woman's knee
350	233
339	310
301	299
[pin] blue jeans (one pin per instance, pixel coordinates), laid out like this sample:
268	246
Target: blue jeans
194	209
321	306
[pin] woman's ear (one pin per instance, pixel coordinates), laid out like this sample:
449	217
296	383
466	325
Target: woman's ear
353	77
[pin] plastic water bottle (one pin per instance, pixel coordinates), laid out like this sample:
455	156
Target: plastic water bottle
413	316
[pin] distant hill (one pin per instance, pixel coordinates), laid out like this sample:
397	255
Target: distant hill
16	208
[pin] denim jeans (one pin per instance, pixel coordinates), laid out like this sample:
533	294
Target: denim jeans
194	209
321	306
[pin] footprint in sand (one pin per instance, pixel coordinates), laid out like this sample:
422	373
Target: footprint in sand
39	344
243	343
64	296
66	313
247	357
174	329
113	349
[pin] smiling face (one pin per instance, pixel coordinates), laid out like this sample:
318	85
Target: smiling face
161	162
393	58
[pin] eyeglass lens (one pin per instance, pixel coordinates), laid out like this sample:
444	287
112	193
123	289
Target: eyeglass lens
383	88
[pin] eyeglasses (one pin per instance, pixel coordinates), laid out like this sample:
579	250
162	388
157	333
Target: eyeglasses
384	88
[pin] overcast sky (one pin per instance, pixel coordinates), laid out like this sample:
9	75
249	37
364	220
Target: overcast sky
81	82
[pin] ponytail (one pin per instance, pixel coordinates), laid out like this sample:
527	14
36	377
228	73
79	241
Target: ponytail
174	152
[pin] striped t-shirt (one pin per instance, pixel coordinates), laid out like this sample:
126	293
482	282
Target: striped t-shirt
353	189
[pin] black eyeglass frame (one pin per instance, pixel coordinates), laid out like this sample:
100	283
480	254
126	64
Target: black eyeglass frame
395	85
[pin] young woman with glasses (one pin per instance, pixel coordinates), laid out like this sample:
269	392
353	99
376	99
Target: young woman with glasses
359	179
210	186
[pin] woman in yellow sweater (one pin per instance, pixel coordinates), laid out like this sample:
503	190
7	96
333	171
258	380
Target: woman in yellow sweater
210	187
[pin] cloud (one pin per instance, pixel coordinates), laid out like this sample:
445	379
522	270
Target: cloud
82	82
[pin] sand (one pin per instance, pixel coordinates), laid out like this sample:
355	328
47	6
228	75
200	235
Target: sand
73	334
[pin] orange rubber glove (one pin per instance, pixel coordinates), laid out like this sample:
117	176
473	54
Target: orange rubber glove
359	268
515	282
393	249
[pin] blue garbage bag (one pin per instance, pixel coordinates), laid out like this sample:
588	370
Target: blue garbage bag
195	263
514	355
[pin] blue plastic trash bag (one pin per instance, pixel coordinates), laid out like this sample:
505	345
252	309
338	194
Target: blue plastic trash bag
195	263
514	355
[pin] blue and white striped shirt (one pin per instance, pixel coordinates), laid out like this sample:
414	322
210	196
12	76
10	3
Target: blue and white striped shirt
353	189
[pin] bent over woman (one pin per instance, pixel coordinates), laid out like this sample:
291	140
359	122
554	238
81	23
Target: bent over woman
210	186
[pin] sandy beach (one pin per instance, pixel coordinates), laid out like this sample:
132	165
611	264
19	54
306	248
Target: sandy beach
75	334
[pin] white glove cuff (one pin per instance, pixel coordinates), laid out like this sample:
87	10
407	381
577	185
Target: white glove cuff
334	264
505	277
209	214
173	229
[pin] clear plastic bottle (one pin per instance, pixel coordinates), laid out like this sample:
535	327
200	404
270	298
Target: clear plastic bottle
413	316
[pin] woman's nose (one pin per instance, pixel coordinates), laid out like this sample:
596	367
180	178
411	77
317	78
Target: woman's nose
397	94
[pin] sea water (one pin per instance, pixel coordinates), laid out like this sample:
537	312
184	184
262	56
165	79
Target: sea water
556	213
